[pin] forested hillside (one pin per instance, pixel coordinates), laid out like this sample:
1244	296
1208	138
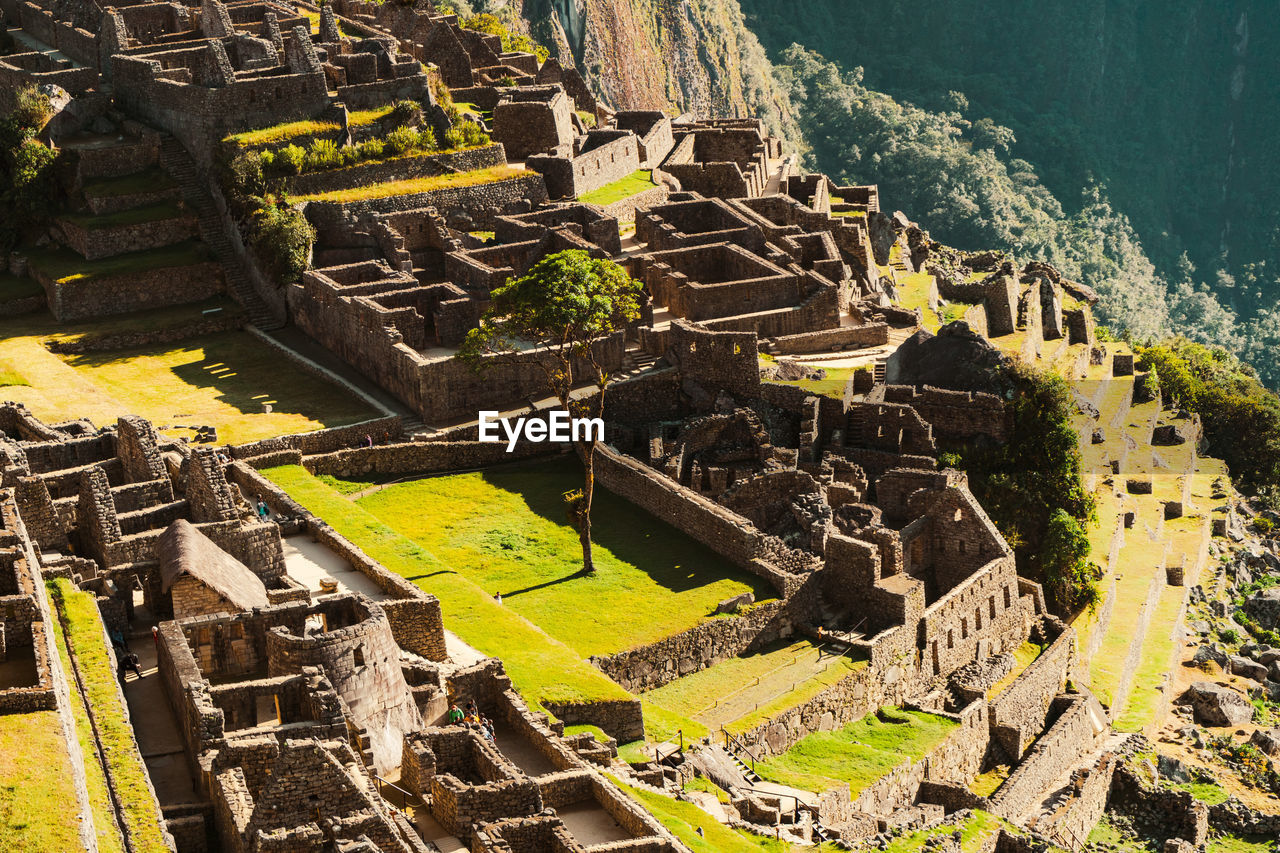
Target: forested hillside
1155	114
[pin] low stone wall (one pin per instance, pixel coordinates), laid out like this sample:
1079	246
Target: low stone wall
97	243
1018	714
423	457
222	321
388	428
619	718
709	523
847	337
659	663
625	210
1078	808
484	201
1070	736
1164	812
118	294
397	169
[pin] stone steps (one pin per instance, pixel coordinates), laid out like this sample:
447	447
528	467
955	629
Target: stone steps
178	164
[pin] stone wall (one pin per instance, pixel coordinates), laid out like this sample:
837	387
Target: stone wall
397	169
954	414
94	242
1079	721
1018	714
828	340
84	298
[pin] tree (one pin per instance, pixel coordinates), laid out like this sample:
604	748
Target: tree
564	305
1072	580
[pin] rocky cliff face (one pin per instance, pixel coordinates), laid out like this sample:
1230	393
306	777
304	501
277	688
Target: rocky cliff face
675	55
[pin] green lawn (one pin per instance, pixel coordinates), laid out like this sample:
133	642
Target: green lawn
65	265
859	754
9	376
84	635
221	379
38	809
506	530
542	668
633	184
409	186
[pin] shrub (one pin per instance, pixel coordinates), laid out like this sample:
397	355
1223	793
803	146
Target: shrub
1262	524
1147	387
401	139
1064	557
505	80
282	238
404	114
323	154
465	134
246	174
1229	636
32	109
443	96
290	159
371	149
427	139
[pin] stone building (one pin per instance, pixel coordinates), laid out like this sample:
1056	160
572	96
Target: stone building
201	578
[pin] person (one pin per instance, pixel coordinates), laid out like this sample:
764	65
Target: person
263	509
471	708
155	636
118	641
368	440
487	725
497	596
455	714
133	664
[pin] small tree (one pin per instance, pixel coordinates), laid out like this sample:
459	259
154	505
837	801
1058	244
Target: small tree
564	305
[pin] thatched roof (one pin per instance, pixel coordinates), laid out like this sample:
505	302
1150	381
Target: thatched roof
185	550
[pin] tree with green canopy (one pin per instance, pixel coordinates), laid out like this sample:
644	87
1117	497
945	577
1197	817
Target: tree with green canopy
556	316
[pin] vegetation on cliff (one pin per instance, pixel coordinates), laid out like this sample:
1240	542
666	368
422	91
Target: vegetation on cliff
1033	489
1150	127
27	186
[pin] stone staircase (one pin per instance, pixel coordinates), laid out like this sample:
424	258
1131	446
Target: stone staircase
178	164
635	362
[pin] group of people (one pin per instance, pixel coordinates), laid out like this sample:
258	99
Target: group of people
472	718
125	659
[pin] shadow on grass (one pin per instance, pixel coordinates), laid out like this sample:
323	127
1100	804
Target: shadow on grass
671	558
537	586
246	375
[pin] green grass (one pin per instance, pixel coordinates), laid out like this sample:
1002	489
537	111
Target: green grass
109	840
706	786
134	216
65	265
1242	844
858	754
852	214
974	834
221	379
684	819
14	287
1209	793
38	809
742	692
542	669
358	118
633	184
84	635
282	132
986	784
151	180
633	752
1107	836
410	186
1023	656
832	385
10	377
506	530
